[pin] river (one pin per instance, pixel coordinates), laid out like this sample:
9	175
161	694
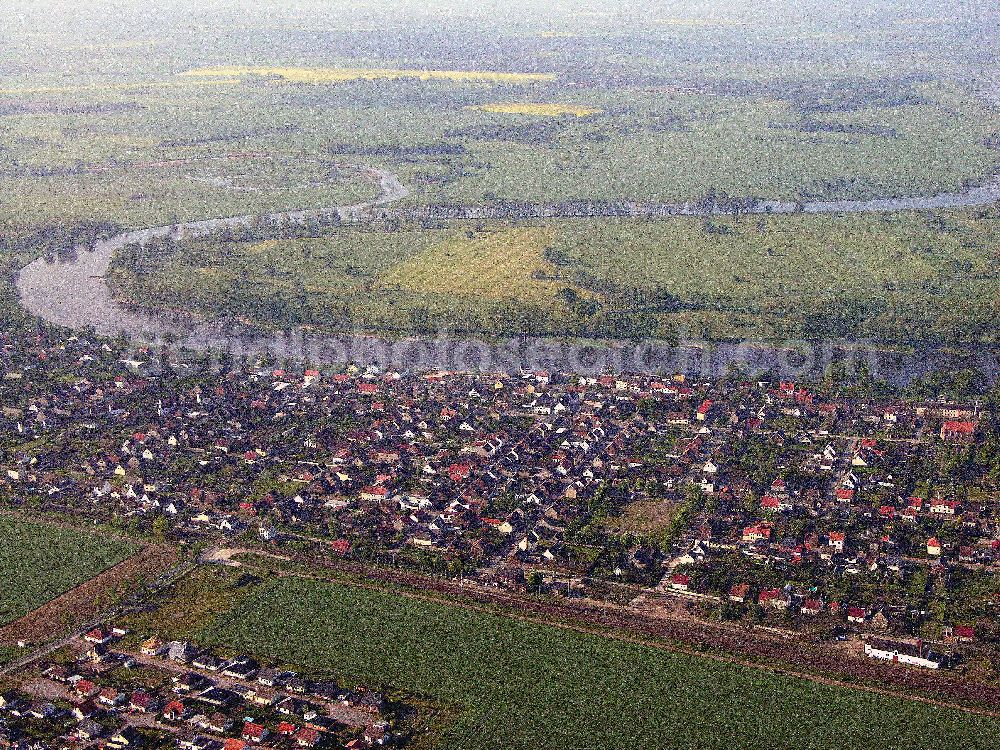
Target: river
73	293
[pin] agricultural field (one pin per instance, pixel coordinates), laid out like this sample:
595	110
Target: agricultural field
930	275
520	685
507	263
39	561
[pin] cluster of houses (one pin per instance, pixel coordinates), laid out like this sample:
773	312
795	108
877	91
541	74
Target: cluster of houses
514	473
174	694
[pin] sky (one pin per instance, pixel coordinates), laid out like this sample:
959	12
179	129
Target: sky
778	10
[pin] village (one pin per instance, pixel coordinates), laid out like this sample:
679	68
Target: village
98	692
785	505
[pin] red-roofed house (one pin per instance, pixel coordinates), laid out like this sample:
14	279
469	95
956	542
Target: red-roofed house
944	507
680	582
837	540
776	598
965	632
340	546
99	635
253	732
738	593
458	472
86	688
812	607
857	615
142	702
958	432
174	711
757	532
703	410
772	503
374	494
767	596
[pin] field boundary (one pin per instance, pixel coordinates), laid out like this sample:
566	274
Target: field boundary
591	620
88	599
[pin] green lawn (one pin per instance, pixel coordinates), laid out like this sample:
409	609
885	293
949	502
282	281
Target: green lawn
39	561
521	685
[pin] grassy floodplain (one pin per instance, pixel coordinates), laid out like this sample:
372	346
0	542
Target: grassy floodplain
926	275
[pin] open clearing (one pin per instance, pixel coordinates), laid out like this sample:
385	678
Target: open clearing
644	517
521	685
504	263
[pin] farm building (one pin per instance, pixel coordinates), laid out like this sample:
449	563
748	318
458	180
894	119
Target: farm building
916	654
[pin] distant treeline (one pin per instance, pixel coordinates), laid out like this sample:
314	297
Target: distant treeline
62	240
397	151
231	137
826	96
8	109
712	202
846	128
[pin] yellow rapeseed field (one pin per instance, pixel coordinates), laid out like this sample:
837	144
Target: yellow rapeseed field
497	264
339	75
537	109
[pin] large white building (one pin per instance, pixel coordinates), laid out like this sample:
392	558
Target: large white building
915	654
